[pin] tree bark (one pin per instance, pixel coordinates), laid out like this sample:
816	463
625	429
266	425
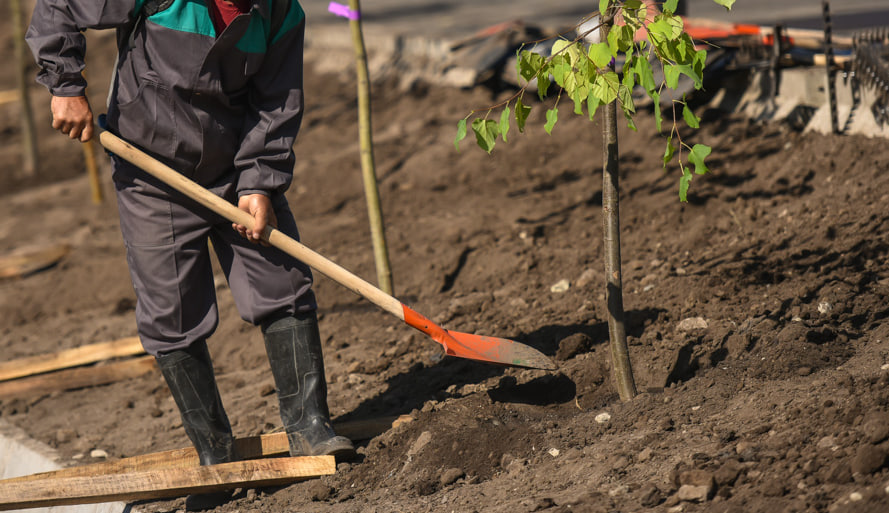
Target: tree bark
620	356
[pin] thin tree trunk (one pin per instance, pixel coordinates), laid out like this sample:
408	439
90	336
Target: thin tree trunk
368	170
620	356
29	137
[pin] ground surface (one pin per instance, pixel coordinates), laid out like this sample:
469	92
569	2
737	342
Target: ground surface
756	316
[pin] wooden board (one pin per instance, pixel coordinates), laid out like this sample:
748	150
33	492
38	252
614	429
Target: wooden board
9	96
77	378
248	448
83	355
24	263
157	484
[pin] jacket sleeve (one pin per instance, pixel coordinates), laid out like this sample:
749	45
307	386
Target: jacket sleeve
56	38
265	158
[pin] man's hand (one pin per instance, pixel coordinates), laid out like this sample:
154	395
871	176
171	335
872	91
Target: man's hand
260	207
73	116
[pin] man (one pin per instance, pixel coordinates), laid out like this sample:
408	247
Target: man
212	88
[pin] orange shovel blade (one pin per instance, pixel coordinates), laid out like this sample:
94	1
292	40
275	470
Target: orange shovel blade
479	347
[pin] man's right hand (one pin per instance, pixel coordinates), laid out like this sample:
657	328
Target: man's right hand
73	116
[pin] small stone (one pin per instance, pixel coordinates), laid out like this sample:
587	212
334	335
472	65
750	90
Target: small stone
560	286
650	496
692	323
65	435
554	452
450	476
868	459
78	456
156	413
574	344
728	473
824	308
827	442
98	453
697	478
620	490
603	418
644	455
693	493
587	277
855	496
876	427
267	389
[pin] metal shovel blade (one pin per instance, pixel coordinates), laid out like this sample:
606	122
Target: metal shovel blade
479	347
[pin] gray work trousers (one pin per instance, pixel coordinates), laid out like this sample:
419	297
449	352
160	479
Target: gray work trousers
166	237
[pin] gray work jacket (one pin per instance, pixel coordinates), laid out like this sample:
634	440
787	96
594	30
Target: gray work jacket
212	106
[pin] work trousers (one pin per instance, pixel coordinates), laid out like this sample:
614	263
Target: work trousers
166	236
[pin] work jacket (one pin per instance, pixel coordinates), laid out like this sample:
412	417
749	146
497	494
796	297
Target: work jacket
215	107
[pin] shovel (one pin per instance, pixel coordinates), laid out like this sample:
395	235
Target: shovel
463	345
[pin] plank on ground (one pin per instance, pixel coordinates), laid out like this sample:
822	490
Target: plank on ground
158	484
77	378
74	357
24	263
248	448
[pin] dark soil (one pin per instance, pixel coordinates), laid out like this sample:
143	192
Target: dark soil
756	315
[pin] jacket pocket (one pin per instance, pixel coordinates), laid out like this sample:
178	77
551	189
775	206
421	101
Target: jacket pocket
147	118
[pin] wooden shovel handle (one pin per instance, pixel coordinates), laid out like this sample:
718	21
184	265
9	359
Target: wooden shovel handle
274	237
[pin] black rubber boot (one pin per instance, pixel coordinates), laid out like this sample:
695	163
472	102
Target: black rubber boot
293	345
189	374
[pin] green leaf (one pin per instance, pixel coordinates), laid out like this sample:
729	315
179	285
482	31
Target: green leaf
725	3
559	45
461	133
486	131
600	54
669	152
690	118
543	83
670	6
671	76
642	68
697	155
521	114
666	27
603	6
684	181
528	64
592	103
552	115
658	115
504	123
605	87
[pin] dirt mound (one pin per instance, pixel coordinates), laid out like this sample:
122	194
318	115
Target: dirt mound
756	317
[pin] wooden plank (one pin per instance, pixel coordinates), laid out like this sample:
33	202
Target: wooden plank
9	96
83	355
77	378
24	262
248	448
158	484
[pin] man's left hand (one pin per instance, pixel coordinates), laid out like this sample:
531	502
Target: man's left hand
259	206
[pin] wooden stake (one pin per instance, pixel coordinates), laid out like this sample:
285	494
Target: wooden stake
368	169
157	484
83	355
29	130
77	378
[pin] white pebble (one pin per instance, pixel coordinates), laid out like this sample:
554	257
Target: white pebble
603	417
560	286
824	307
855	496
553	452
98	453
